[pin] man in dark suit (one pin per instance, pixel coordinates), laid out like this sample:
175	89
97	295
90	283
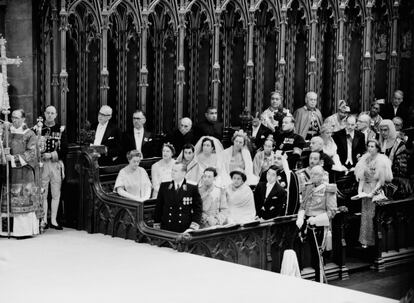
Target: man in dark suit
270	197
210	126
138	138
179	206
350	143
396	108
109	135
184	134
259	133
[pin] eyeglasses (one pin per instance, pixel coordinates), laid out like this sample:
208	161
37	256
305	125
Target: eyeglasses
104	115
15	118
138	118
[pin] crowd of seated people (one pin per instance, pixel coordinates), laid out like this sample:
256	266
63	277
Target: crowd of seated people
236	189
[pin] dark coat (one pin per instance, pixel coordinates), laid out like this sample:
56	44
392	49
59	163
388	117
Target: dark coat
272	206
177	139
206	128
147	146
176	210
112	140
358	145
387	112
261	137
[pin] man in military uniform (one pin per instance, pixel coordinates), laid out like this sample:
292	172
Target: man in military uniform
289	141
317	209
53	148
179	206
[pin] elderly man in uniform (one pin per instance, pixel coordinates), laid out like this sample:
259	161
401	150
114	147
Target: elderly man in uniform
308	118
317	209
53	155
107	134
179	206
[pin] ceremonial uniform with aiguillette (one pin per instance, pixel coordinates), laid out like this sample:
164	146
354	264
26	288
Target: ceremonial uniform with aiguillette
178	209
53	141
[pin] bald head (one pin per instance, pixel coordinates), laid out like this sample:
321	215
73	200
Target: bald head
185	125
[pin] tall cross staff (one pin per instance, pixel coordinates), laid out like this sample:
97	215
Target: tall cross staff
5	109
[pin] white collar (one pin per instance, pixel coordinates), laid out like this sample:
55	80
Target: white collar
138	131
103	126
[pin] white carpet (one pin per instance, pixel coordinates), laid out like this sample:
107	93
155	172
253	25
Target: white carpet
73	266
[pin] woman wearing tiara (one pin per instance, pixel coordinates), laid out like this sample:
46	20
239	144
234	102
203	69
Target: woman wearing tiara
264	158
207	153
161	170
237	157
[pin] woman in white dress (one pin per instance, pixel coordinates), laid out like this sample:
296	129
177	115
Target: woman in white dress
329	147
240	199
161	170
238	156
132	181
207	154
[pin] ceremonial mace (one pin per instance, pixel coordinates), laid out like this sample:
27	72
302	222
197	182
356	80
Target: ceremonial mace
5	109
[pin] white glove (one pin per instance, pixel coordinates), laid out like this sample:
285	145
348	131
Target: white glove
311	220
300	219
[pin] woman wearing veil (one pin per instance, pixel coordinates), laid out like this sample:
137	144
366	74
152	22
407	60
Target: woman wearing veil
207	152
238	156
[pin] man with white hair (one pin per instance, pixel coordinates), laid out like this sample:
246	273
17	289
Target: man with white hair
396	108
308	118
363	125
316	145
182	135
107	134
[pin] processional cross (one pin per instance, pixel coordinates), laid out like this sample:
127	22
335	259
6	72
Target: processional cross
4	61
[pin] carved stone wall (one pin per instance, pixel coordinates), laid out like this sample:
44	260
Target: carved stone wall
174	57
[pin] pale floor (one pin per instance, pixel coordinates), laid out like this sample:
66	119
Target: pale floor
74	266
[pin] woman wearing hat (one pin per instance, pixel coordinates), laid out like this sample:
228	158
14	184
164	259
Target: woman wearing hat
338	120
240	199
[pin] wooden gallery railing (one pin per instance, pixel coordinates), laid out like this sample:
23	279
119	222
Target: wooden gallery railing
258	244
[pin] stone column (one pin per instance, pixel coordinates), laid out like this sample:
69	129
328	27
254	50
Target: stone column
340	61
280	75
312	48
143	73
250	64
104	85
63	73
216	59
393	65
367	59
180	67
55	55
